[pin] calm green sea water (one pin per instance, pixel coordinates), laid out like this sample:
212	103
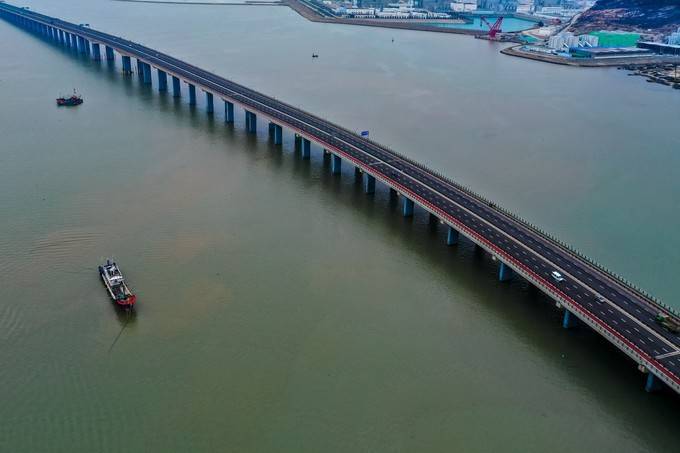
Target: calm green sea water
280	309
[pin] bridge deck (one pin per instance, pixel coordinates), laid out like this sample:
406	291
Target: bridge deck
624	315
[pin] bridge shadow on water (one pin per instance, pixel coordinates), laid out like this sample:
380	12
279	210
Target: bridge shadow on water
583	357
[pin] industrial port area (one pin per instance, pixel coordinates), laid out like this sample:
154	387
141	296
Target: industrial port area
606	48
545	31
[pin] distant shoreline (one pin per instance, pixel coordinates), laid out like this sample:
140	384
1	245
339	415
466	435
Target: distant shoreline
305	11
175	2
312	16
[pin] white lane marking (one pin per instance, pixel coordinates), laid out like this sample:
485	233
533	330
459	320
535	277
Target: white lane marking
669	354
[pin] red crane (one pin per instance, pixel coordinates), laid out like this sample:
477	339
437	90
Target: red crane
493	29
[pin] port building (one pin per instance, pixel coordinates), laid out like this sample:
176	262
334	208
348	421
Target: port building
674	38
460	6
567	40
615	38
661	48
608	52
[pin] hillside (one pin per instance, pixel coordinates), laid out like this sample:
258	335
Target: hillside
646	16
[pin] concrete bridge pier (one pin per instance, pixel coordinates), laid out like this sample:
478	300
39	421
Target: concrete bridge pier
146	73
652	384
82	44
192	94
306	149
369	184
127	64
408	207
162	80
504	272
276	133
109	53
74	42
176	88
140	68
297	143
209	106
452	236
96	52
336	164
251	122
569	321
228	112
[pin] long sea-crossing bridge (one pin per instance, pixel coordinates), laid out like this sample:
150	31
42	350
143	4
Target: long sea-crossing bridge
587	293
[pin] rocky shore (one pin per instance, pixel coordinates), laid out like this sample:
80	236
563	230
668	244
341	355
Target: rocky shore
665	74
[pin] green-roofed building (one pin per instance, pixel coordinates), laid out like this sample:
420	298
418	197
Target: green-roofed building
616	38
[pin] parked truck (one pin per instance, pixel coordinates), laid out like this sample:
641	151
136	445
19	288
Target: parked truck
667	322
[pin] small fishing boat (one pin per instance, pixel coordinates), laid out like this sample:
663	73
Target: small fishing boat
74	99
115	284
315	55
